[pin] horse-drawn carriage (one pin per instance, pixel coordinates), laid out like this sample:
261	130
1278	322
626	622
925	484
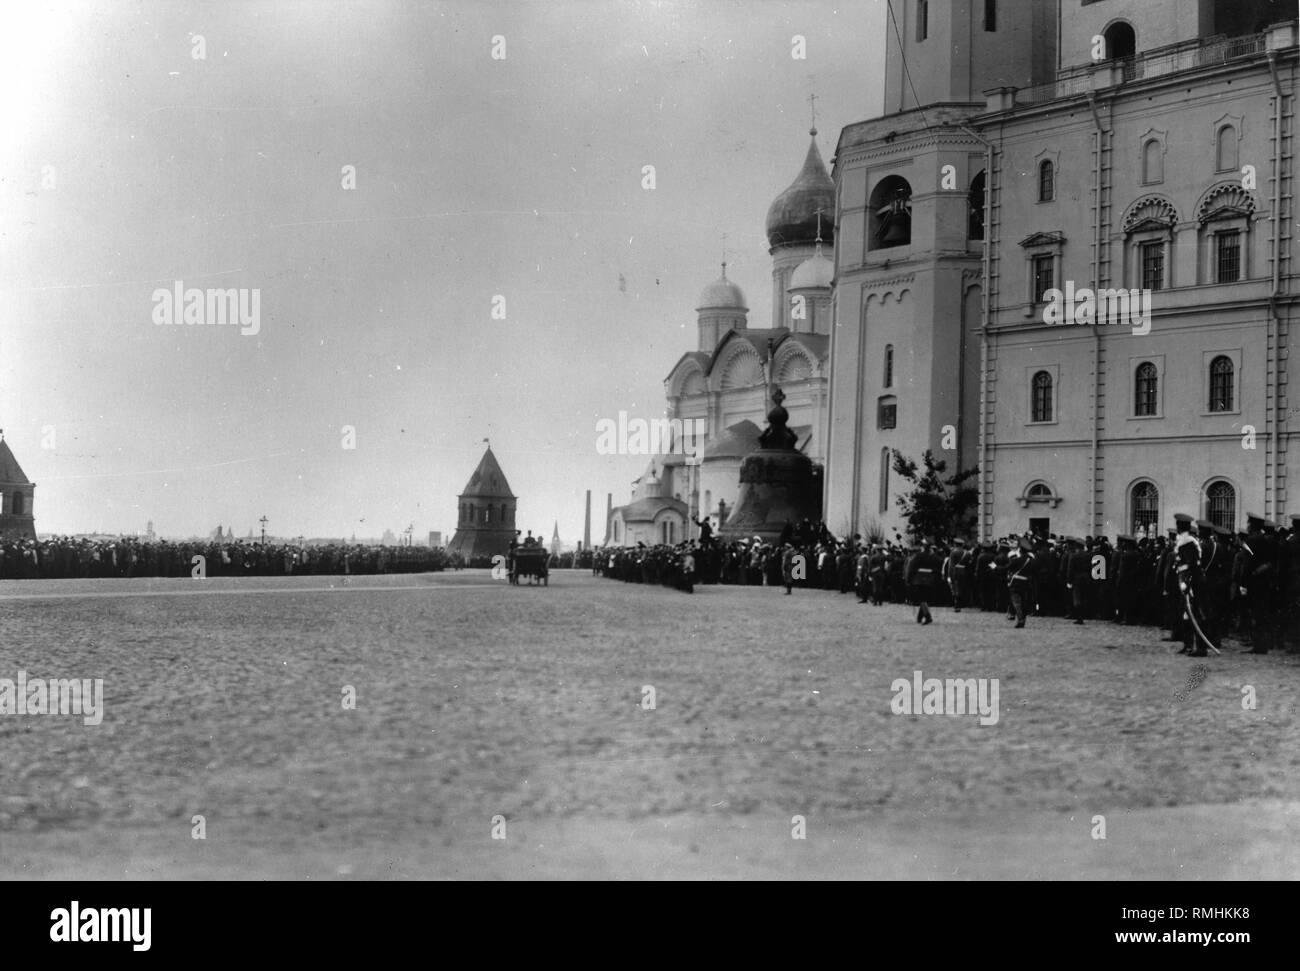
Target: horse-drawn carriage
531	562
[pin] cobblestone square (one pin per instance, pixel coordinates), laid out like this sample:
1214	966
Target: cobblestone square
483	708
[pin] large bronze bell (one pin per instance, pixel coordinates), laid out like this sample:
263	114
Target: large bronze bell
897	228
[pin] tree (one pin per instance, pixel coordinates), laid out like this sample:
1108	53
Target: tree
938	507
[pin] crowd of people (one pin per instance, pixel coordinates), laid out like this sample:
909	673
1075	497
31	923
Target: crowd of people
1199	582
65	557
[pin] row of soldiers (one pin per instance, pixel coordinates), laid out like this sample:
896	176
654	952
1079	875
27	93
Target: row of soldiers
1247	584
66	557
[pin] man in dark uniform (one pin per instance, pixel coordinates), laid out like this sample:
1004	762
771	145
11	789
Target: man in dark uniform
1216	572
1128	567
1020	578
962	558
1290	582
1078	578
984	577
877	577
921	574
1257	580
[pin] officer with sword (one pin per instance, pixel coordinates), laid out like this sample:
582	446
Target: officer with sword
1191	585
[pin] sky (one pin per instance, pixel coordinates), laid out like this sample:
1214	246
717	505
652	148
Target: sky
131	163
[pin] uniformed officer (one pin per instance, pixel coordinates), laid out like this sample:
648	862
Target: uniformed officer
1078	578
1020	577
1290	581
921	574
1256	580
1128	569
1187	567
1216	570
961	560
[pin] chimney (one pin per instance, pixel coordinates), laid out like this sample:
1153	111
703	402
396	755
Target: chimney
586	526
609	514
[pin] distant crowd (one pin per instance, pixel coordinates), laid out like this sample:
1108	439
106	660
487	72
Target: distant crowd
1244	585
65	557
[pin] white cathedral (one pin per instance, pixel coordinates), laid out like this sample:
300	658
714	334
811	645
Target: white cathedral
724	380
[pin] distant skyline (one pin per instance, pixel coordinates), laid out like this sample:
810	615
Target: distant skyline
131	165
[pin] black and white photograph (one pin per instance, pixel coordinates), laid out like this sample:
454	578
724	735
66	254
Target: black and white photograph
533	441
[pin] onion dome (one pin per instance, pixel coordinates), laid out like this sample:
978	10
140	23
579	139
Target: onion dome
722	294
792	217
815	272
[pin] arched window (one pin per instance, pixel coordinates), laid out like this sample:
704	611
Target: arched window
1040	490
891	213
487	514
975	221
1145	389
889	366
1121	41
885	458
1153	161
471	512
1046	181
1144	501
18	503
1041	407
1225	149
1221	373
1221	504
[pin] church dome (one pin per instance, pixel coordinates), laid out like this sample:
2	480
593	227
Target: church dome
722	294
816	272
792	217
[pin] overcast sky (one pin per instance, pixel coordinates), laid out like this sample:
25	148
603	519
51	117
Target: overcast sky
129	164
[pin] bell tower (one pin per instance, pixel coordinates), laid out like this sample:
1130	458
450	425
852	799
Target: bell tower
955	50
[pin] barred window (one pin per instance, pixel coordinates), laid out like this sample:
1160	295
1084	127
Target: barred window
1046	182
1153	265
922	19
1227	245
1221	373
1221	504
1044	276
1146	387
1041	409
1145	503
889	366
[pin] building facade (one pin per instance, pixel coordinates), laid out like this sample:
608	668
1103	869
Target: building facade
1158	162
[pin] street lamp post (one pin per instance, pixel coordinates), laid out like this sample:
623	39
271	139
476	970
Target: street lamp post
263	521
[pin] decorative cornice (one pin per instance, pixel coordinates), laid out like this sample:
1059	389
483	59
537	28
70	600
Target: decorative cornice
1151	208
1227	198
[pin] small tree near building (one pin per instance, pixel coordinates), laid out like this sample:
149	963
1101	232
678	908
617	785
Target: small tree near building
938	506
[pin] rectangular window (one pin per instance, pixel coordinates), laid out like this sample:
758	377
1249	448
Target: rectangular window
888	415
1044	276
1228	253
990	15
922	20
1153	265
